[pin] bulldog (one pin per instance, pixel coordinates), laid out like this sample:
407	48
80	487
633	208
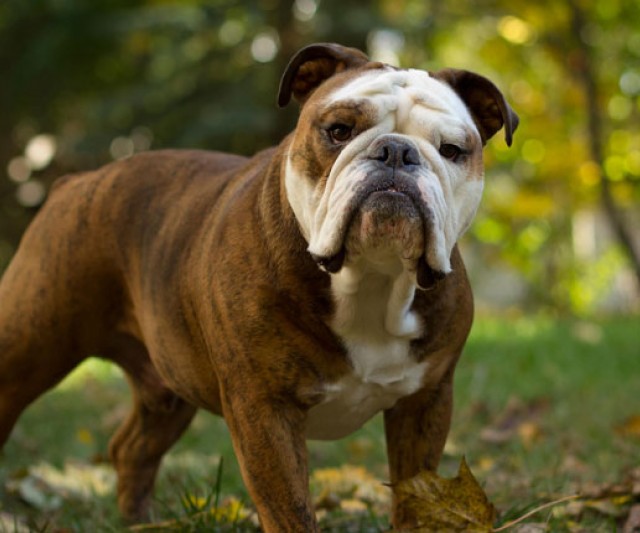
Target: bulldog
297	293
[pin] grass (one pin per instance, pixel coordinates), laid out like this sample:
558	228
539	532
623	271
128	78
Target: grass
542	411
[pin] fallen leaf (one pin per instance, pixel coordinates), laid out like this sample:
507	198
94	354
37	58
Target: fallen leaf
599	491
9	522
332	487
572	465
573	509
84	436
556	511
485	463
77	480
529	432
354	506
45	487
606	507
36	493
446	504
630	427
517	419
632	525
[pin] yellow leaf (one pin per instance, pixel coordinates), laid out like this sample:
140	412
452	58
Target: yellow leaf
630	427
84	436
344	481
446	504
353	506
486	463
333	485
529	432
606	507
622	499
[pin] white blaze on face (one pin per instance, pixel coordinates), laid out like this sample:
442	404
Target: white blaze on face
428	113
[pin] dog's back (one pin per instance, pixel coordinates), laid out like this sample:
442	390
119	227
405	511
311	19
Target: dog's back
64	296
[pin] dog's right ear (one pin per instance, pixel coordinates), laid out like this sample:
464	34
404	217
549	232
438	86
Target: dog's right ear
314	64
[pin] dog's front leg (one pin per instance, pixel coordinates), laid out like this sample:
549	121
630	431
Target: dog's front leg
268	438
416	430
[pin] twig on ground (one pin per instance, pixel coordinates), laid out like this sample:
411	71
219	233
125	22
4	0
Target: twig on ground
534	511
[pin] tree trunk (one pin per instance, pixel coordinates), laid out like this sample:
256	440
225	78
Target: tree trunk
586	73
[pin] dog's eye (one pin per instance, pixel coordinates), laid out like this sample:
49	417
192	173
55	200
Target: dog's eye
339	133
450	151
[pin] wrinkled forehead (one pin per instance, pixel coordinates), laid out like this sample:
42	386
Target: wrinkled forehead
403	92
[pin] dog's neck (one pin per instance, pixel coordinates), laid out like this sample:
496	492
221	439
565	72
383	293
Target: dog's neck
375	295
372	317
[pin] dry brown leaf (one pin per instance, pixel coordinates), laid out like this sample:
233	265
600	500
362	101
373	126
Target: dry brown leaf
607	499
608	507
519	419
630	427
529	432
632	480
632	524
457	504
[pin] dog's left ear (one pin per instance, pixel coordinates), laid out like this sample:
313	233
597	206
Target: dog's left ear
489	109
314	64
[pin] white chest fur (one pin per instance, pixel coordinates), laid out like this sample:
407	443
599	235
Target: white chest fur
375	323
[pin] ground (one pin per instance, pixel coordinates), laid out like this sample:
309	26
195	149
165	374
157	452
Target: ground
545	408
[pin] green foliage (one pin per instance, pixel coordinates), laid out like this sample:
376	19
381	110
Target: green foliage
109	77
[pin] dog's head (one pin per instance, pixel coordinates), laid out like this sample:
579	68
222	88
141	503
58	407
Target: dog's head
386	164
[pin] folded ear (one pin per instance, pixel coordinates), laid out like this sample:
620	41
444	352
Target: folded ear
489	109
314	64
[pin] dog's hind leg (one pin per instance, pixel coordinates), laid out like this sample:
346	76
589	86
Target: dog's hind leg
157	420
61	297
37	344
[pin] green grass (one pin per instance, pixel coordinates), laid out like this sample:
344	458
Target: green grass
580	380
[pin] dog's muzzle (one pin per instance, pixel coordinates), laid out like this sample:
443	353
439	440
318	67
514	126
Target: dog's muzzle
390	190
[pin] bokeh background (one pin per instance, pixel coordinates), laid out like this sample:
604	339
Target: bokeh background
83	83
547	392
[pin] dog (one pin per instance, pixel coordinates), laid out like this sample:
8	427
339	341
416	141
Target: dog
296	293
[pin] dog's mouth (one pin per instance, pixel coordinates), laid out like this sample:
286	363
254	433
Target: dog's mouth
388	212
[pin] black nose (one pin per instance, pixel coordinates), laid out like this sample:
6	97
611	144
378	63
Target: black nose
395	153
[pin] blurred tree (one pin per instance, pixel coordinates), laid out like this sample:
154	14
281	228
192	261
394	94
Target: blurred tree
541	210
108	78
584	68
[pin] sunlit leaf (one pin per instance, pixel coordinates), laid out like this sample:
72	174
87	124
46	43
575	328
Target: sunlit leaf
457	504
338	488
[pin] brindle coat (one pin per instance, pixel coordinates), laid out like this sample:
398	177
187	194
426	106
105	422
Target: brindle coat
188	269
